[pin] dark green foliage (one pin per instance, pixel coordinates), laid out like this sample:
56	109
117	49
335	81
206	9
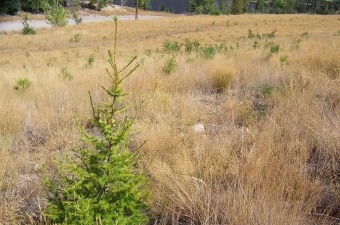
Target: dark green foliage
27	30
202	6
99	182
274	48
34	5
10	6
260	6
215	12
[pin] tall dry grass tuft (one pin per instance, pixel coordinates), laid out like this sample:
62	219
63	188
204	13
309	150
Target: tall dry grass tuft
270	147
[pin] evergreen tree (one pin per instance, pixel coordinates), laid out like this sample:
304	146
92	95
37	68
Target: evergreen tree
99	182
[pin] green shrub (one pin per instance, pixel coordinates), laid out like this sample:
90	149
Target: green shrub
148	52
27	30
99	181
208	52
65	74
76	37
76	17
90	60
274	48
34	5
296	44
266	90
22	84
304	35
283	59
170	65
100	3
269	35
190	46
215	12
56	16
171	46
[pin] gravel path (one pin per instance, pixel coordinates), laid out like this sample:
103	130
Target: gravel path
16	25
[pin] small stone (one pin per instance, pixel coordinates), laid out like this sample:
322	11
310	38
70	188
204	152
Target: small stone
37	167
198	127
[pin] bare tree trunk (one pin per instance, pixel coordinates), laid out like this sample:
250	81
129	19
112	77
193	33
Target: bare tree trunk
137	6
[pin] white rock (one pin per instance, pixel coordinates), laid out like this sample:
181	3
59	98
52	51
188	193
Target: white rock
198	127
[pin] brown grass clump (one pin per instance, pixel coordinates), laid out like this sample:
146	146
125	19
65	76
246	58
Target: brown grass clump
270	148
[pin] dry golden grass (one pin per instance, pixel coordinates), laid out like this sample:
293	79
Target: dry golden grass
270	150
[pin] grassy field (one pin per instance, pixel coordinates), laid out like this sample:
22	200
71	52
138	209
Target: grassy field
268	98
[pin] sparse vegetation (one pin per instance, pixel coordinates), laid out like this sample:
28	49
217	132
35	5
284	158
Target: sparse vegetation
269	148
191	46
56	16
22	84
27	30
283	59
171	46
65	74
170	65
76	17
76	37
208	51
90	60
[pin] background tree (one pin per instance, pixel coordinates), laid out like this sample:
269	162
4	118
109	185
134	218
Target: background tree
237	7
100	3
260	6
143	4
10	6
224	7
202	6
